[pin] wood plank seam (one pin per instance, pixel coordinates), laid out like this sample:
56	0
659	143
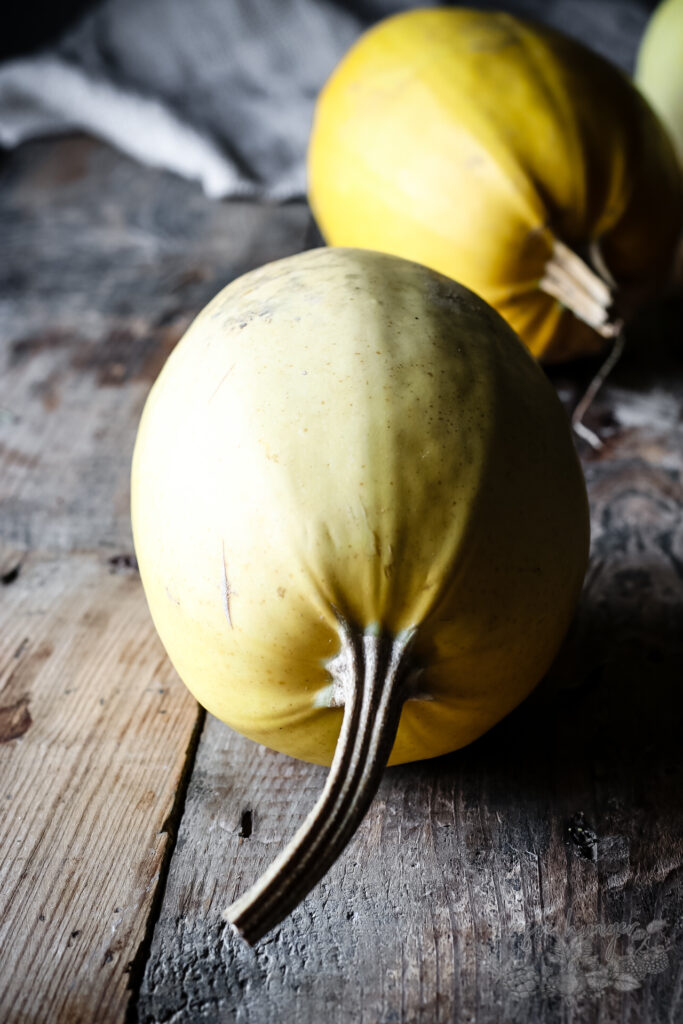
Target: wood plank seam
171	827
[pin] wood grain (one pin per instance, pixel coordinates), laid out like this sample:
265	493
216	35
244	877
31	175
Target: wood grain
103	267
88	782
465	896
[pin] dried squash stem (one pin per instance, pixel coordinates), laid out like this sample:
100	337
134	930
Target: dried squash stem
588	294
375	683
582	407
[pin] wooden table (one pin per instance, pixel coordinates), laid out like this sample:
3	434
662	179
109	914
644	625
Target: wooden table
130	819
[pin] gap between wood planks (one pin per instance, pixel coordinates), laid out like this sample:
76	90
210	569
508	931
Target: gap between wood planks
170	826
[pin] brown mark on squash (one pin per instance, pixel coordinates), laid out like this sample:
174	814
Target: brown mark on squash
226	589
493	36
221	382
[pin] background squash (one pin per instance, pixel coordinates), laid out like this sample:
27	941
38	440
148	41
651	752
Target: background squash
659	69
354	489
506	156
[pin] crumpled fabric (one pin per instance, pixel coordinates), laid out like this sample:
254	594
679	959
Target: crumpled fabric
222	91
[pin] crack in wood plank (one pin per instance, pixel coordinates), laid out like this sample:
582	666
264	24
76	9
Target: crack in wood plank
170	828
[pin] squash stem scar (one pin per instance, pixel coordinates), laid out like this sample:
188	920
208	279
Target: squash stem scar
378	683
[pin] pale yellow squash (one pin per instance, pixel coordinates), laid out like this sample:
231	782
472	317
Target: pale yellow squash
659	68
349	454
506	156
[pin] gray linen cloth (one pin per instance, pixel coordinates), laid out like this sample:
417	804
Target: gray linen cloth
222	91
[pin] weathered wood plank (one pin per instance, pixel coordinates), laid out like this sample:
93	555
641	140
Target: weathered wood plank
89	774
103	266
464	897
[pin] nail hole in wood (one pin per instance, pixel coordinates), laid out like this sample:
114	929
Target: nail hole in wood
582	837
11	575
245	825
122	563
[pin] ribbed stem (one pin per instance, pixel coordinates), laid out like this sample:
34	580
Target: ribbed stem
588	293
375	684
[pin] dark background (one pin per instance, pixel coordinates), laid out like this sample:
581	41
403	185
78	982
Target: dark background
34	23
